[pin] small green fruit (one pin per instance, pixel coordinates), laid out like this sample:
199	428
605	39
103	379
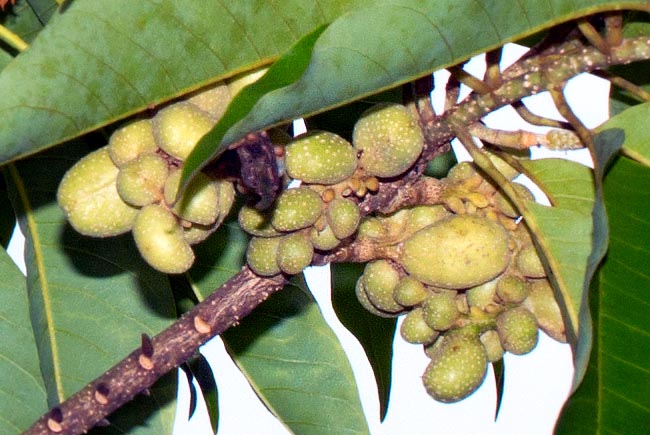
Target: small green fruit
541	302
415	330
294	253
457	252
362	296
89	198
179	127
517	328
141	181
296	209
482	296
511	289
199	202
262	254
380	279
389	139
198	233
132	141
343	217
213	101
441	310
422	216
159	238
320	158
256	222
505	205
457	368
492	344
409	292
461	172
323	240
529	263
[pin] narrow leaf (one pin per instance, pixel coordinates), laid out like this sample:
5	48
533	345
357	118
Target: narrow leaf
22	392
499	369
374	333
202	372
615	394
297	366
90	299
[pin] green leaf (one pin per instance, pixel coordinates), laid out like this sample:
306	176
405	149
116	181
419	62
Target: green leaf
90	299
29	17
199	368
22	392
297	366
374	333
97	62
7	216
615	394
637	140
390	43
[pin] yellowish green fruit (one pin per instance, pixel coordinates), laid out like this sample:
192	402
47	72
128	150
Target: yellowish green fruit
529	263
372	228
132	141
415	330
457	368
409	292
159	238
517	328
320	157
226	198
294	253
362	296
179	127
213	101
482	296
89	198
461	172
262	254
141	181
512	289
343	217
380	279
198	233
256	222
199	203
440	310
504	204
457	252
424	215
296	208
389	140
323	240
541	302
492	344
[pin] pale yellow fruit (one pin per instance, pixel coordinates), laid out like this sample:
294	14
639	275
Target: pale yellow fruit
294	253
89	198
132	141
199	203
240	81
320	157
262	254
159	238
213	101
140	182
178	128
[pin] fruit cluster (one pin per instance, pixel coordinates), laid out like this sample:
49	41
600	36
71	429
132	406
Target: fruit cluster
467	278
132	184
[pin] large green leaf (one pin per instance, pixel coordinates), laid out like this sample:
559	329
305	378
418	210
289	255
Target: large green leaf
22	392
297	366
393	42
90	299
637	140
614	397
28	17
101	61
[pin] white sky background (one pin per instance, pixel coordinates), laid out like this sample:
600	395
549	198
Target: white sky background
536	384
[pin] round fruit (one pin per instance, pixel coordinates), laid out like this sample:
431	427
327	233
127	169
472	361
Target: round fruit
132	141
294	253
141	181
380	279
505	205
409	292
482	296
296	208
256	222
262	254
179	127
343	217
89	198
159	238
461	171
198	233
517	328
422	216
320	158
440	310
199	203
226	198
213	101
541	302
529	263
415	330
512	290
457	368
457	252
389	139
324	239
362	296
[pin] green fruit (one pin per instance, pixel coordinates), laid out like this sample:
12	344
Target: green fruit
492	344
262	254
380	279
132	141
296	209
505	205
541	302
409	292
226	198
517	328
141	181
198	233
482	296
323	240
512	290
372	228
440	310
415	330
199	203
294	253
320	158
256	222
362	296
343	217
159	238
457	368
213	101
461	171
424	215
178	128
89	198
529	263
457	252
389	140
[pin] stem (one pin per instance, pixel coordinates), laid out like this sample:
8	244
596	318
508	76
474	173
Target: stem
12	39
